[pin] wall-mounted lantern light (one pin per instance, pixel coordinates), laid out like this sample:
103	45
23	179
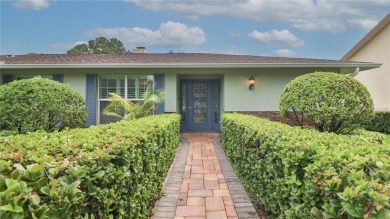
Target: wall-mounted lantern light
251	82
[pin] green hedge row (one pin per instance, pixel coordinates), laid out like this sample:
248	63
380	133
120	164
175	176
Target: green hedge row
302	173
380	123
105	171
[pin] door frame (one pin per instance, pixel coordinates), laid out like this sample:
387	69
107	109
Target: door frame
213	117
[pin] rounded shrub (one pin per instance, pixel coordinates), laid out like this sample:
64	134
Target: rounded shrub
40	104
334	102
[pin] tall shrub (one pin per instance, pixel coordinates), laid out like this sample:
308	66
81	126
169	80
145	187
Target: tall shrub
40	104
335	102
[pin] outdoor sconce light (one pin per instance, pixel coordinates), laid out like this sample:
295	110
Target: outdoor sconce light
251	82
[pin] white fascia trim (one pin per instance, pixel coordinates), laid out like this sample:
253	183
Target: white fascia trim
191	65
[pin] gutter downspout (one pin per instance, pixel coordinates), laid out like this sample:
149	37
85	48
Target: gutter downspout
356	72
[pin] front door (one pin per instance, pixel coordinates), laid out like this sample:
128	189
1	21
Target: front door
200	105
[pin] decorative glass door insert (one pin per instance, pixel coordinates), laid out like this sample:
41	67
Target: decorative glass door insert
199	104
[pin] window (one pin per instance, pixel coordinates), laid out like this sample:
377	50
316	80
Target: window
129	87
111	85
28	77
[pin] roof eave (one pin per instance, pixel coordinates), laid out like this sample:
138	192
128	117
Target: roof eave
364	66
373	32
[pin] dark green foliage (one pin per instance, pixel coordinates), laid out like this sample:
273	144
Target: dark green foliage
80	49
379	123
335	102
106	171
100	45
303	173
40	104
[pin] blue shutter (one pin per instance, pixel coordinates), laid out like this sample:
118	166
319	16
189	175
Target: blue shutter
7	78
91	99
159	84
59	78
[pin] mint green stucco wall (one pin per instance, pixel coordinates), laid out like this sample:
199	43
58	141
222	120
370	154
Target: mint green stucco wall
171	92
269	85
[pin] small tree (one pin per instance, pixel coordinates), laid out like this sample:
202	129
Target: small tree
125	109
100	45
40	104
335	102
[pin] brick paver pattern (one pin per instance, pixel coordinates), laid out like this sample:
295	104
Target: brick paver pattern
203	192
201	183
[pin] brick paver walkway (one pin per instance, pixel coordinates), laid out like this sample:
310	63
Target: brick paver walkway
199	187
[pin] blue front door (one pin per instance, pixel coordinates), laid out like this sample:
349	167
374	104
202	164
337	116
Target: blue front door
200	105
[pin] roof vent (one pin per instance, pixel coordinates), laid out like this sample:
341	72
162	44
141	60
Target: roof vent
139	49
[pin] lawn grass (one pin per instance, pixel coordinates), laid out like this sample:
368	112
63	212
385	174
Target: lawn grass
387	139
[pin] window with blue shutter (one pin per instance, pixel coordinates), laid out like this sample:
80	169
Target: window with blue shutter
58	77
7	79
130	87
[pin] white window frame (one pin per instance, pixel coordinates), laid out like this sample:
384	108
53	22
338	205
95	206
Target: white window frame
126	77
112	77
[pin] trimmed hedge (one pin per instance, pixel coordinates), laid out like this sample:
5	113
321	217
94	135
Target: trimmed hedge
105	171
302	173
380	123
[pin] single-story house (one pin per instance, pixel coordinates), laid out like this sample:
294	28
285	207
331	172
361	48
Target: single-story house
198	86
375	47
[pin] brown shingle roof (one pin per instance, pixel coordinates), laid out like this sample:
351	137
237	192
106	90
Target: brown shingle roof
156	58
